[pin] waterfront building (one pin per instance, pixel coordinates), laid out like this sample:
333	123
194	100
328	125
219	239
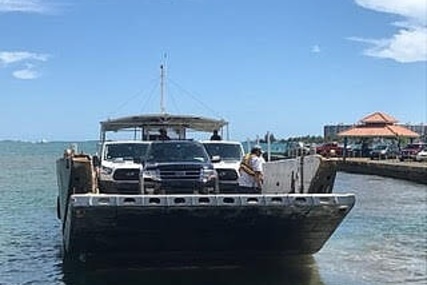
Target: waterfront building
330	132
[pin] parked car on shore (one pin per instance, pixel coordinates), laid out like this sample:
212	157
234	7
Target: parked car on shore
384	151
411	150
359	150
422	155
330	149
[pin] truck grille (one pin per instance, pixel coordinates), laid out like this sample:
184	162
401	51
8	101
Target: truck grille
180	174
126	174
227	174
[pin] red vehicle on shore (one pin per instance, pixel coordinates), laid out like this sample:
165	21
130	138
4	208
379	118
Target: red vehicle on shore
411	151
330	149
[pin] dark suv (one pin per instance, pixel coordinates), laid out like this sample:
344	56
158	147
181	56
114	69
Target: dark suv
384	151
178	167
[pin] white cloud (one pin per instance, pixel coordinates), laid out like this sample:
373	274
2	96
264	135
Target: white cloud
8	57
409	43
415	10
25	6
24	62
315	49
27	73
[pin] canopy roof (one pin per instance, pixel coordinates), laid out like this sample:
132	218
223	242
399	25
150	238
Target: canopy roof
195	123
378	118
378	124
378	131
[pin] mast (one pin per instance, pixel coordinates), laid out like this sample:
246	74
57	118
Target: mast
162	78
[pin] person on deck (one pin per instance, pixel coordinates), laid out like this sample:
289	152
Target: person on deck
163	135
251	172
215	136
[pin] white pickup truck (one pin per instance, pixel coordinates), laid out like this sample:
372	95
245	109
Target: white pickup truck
120	165
230	154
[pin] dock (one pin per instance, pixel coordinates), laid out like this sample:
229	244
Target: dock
393	168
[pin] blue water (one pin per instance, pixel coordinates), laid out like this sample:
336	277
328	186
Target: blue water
382	241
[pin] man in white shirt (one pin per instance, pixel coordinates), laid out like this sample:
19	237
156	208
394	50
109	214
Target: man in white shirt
251	174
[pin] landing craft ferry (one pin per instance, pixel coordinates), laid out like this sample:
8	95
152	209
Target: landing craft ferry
161	210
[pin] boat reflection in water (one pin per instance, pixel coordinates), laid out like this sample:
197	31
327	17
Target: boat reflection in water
301	270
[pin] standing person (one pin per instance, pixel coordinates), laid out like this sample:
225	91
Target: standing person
251	174
163	135
215	136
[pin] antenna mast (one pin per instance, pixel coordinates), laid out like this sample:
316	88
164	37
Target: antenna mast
162	85
162	78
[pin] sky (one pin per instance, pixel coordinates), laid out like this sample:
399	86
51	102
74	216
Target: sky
284	67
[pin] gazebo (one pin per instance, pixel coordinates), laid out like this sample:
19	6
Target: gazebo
377	125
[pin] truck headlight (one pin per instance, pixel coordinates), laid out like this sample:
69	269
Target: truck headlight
208	174
153	174
106	170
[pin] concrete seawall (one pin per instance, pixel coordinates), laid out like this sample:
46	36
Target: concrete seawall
412	171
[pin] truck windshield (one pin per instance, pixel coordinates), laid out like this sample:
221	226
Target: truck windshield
225	151
176	152
125	151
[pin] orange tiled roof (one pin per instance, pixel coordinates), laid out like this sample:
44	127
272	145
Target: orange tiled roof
378	131
378	117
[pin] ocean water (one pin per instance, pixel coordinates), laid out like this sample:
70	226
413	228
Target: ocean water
383	240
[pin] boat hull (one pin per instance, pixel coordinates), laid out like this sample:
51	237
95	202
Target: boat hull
158	228
294	215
